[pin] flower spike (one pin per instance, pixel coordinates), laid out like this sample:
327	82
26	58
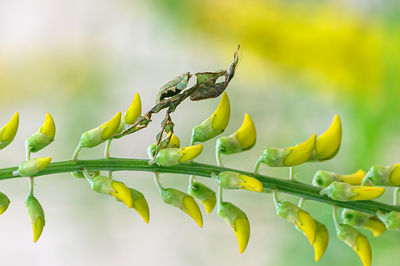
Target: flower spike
8	132
183	202
243	139
43	137
325	178
365	220
346	192
174	156
215	124
238	221
203	193
34	166
4	202
233	180
328	144
36	215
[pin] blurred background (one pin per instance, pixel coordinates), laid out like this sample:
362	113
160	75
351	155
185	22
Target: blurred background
301	62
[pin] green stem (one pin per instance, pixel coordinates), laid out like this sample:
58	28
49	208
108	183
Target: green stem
206	170
257	166
291	173
335	218
157	180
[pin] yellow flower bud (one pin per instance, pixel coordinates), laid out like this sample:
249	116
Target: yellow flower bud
140	204
43	137
383	175
365	220
238	221
34	166
4	202
174	156
203	193
328	144
100	134
8	132
36	215
346	192
243	139
122	192
133	112
183	202
233	180
215	124
321	241
357	241
325	178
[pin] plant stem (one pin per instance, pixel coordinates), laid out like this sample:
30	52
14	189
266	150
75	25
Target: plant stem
206	170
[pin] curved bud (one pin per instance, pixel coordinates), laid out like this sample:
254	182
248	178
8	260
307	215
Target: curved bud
233	180
321	241
365	220
36	215
183	202
357	241
238	221
203	193
174	156
8	132
390	219
328	144
133	112
174	142
100	134
140	204
43	137
4	202
122	192
215	124
346	192
278	157
383	175
34	166
243	139
302	219
325	178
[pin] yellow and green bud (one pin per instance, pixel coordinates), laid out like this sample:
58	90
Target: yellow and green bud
291	156
36	215
4	202
101	133
215	124
238	221
325	178
328	144
140	205
357	241
8	132
43	137
365	220
390	219
233	180
34	166
383	175
133	112
174	142
183	202
243	139
346	192
321	241
203	193
174	156
302	219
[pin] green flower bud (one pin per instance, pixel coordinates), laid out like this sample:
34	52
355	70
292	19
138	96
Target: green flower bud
4	202
36	215
325	178
203	193
390	219
365	220
8	132
383	175
34	166
233	180
43	137
174	156
140	204
274	157
357	241
345	192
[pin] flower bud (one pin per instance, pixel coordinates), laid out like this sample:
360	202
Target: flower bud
174	142
205	194
8	132
390	219
133	112
140	204
302	219
357	241
4	202
36	215
365	220
291	156
321	241
383	175
34	166
183	202
328	144
174	156
325	178
215	124
238	221
233	180
81	175
100	134
43	137
346	192
243	139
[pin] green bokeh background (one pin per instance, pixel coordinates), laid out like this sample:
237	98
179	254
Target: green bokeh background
301	62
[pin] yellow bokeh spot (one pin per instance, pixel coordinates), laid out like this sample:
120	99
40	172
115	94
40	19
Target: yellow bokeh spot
300	153
246	134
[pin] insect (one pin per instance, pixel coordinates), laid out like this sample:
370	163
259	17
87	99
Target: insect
173	87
